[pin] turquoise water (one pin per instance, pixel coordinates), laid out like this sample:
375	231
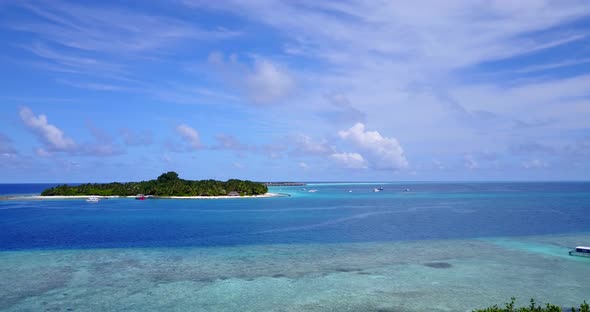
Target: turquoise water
439	247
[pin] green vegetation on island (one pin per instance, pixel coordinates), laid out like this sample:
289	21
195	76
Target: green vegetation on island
533	307
167	184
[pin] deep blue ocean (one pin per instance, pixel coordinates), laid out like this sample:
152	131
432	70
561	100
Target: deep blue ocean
335	213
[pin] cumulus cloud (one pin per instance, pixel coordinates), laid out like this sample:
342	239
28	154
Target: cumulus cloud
350	160
189	135
54	140
262	82
53	137
382	152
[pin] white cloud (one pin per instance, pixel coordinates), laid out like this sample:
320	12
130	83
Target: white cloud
264	82
190	135
303	165
51	135
267	82
350	160
405	85
382	152
449	34
305	145
54	139
123	31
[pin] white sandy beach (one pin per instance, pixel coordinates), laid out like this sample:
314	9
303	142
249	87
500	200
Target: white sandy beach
223	197
40	197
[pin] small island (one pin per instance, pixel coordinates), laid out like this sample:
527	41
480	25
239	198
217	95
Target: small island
166	185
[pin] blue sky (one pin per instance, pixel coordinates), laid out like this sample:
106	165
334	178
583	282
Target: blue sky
295	90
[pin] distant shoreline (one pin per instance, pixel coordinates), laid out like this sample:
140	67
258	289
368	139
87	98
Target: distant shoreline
56	197
284	183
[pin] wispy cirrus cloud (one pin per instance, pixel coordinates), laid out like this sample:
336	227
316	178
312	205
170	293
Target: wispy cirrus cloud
96	86
110	29
73	62
105	41
478	31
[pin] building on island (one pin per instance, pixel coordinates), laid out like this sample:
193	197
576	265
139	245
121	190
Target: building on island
233	193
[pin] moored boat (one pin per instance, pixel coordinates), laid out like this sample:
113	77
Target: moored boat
93	199
140	197
580	251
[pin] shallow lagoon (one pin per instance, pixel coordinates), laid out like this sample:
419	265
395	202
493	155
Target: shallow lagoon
441	248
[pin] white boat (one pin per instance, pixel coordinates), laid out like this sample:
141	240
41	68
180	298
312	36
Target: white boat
350	191
312	191
375	190
581	251
93	199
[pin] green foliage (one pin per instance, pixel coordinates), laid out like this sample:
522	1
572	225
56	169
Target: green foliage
168	177
167	184
533	307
